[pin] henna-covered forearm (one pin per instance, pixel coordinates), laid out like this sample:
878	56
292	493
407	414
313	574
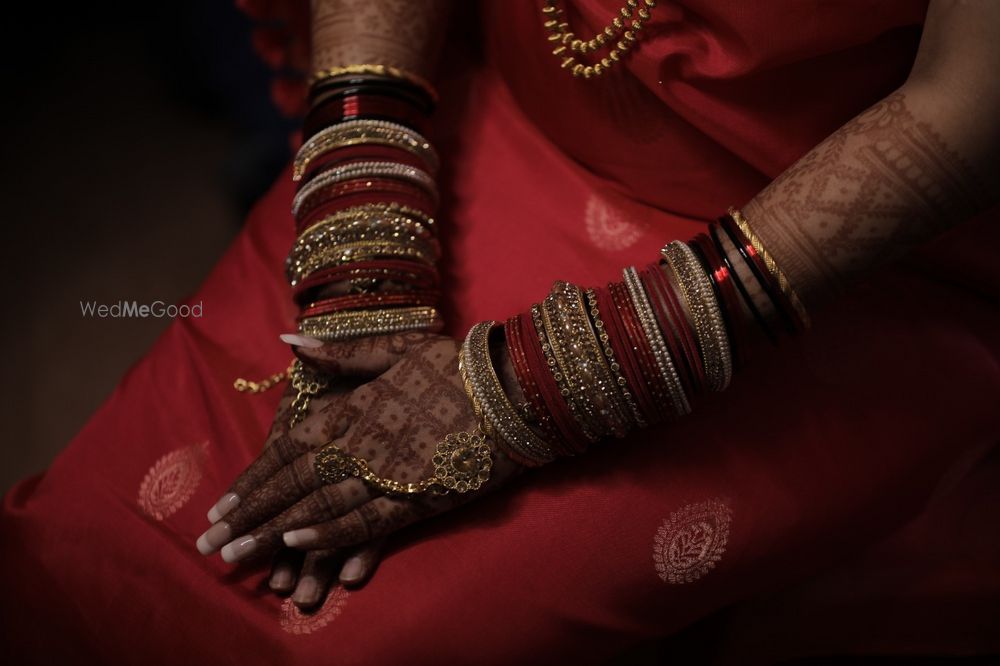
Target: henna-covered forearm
401	33
916	163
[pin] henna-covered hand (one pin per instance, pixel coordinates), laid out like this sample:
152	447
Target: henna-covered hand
394	422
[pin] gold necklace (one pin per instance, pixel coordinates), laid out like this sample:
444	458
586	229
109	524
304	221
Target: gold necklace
623	27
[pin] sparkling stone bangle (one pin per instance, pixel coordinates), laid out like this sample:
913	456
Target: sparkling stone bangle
647	319
383	209
710	331
499	416
359	323
344	253
392	170
355	132
613	366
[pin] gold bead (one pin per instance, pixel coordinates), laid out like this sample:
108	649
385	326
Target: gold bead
617	22
626	12
614	56
643	13
555	37
551	24
567	62
598	69
559	51
592	45
622	46
650	3
577	69
636	26
601	39
576	45
608	32
631	3
629	36
567	37
605	63
548	9
588	72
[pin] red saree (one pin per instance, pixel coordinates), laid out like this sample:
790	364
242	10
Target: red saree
838	499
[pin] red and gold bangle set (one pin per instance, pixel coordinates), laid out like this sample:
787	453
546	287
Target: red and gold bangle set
596	363
365	258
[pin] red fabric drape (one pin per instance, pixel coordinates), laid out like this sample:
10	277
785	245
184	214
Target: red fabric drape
824	457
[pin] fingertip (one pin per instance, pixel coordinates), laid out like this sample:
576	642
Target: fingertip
307	592
226	503
304	341
355	571
281	580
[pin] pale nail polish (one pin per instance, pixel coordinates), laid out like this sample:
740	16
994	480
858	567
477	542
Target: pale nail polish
225	504
213	538
234	551
281	580
307	591
299	538
352	569
301	340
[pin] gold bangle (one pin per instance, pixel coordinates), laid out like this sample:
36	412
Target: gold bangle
614	368
500	418
390	209
299	268
772	266
359	323
710	330
377	70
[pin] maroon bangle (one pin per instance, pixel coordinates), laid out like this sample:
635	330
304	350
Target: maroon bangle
410	273
654	380
626	355
726	295
740	287
654	287
572	436
529	387
367	152
368	301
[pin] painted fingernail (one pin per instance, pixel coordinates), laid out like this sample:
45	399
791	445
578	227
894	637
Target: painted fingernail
352	570
307	591
281	580
301	340
213	538
236	550
300	538
225	504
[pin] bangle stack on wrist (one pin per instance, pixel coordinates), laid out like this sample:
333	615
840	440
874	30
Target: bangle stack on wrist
365	259
597	363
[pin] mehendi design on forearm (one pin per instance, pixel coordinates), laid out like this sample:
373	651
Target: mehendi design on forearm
881	184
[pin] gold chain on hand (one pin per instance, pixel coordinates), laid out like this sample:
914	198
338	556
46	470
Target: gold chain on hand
462	462
306	381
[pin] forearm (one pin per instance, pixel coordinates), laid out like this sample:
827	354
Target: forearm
398	33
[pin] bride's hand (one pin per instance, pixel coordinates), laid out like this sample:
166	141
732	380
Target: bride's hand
394	422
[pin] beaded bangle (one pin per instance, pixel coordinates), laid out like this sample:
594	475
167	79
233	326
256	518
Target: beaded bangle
387	71
500	418
366	170
543	367
349	222
648	322
355	132
416	276
352	324
614	368
772	267
740	287
696	289
359	154
558	332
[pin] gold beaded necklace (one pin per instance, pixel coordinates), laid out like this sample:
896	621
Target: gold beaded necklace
623	28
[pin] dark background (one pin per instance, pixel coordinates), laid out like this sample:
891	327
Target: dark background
136	136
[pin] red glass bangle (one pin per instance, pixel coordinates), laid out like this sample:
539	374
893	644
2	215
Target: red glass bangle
366	152
529	387
368	301
572	437
365	84
725	294
644	353
626	355
337	108
763	276
654	288
740	287
330	199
